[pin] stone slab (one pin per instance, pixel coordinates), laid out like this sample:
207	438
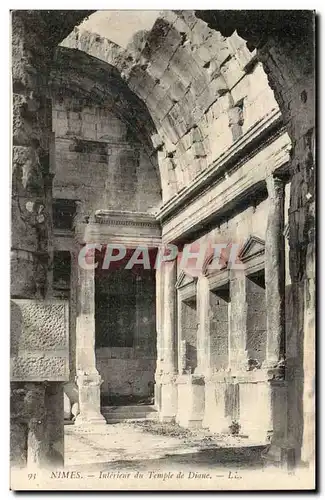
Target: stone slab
39	340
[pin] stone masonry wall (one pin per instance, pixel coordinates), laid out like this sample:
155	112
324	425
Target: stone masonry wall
219	332
98	162
256	320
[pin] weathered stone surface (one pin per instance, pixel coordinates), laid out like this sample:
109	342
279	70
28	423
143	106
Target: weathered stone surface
114	164
36	435
39	340
39	325
39	368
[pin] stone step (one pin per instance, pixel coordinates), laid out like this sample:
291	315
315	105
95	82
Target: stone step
115	414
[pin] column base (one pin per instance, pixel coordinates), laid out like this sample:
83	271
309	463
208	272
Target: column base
89	399
214	410
168	402
85	420
190	401
280	456
257	424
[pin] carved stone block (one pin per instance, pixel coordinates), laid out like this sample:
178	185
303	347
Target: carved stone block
39	340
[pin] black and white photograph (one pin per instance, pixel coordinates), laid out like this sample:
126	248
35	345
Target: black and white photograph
162	250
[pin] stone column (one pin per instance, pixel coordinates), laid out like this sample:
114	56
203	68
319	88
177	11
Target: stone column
31	179
88	378
31	236
168	408
159	327
275	272
280	450
37	440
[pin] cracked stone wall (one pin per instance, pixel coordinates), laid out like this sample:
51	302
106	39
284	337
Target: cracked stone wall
291	70
36	425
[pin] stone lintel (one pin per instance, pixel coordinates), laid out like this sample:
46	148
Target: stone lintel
242	376
126	217
131	229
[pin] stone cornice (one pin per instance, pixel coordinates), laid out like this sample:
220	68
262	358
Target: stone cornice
242	186
126	218
131	229
244	148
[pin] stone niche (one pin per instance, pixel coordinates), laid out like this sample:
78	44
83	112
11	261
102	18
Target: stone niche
190	384
189	333
187	323
39	340
256	319
219	397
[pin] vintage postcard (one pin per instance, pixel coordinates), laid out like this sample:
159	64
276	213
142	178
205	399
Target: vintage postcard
163	250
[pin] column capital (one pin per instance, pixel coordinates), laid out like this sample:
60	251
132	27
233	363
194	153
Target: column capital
275	186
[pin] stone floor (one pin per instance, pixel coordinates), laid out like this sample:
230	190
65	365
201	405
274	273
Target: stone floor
142	455
148	455
150	440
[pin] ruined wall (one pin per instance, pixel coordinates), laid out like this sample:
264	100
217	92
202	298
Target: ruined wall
291	74
98	161
34	437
